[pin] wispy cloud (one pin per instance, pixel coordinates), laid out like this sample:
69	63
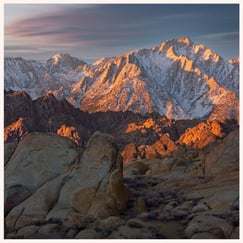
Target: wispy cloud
108	29
220	36
103	24
78	25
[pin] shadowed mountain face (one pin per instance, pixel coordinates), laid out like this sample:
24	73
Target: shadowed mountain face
47	114
149	135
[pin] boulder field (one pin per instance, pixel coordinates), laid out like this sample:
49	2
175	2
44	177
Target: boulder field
55	190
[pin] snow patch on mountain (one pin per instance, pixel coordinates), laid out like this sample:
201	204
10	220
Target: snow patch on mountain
177	78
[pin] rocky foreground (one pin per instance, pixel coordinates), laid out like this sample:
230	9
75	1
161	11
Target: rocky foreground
53	189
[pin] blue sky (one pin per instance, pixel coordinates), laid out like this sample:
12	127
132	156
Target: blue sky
92	31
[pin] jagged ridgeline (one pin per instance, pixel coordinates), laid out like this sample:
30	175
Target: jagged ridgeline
137	135
178	79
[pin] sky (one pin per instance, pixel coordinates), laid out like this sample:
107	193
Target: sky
93	31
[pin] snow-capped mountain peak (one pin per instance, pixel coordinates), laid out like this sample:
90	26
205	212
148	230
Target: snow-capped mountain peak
234	60
172	78
63	63
59	56
185	39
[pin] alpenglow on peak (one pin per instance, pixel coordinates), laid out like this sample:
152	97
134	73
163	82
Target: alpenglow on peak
178	78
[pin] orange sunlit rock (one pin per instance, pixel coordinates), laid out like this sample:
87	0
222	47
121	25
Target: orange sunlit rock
129	153
132	127
171	54
69	132
160	148
165	145
186	64
150	152
212	83
201	135
234	60
15	130
216	129
149	123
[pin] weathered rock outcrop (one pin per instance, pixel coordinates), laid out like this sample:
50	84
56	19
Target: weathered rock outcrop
70	132
162	147
39	158
138	136
48	180
197	189
129	153
202	134
47	114
95	187
77	194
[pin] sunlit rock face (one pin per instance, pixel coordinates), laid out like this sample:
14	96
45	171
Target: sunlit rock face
70	132
138	137
177	78
201	135
47	114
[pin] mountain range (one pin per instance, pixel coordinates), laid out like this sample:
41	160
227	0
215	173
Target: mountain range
142	145
178	79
